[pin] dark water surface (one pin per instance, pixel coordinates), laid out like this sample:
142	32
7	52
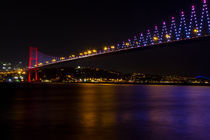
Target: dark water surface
106	112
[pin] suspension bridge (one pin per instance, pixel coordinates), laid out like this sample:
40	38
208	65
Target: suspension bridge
183	28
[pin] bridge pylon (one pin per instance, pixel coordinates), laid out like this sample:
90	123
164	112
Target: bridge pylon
33	56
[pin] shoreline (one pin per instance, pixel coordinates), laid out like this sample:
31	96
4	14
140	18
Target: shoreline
66	85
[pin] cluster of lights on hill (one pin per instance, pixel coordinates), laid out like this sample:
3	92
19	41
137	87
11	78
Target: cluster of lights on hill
181	29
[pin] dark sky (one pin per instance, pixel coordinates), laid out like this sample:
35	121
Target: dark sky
61	27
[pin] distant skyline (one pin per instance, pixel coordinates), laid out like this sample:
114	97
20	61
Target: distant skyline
60	28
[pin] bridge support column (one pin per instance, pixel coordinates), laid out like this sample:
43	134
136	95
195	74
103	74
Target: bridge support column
32	63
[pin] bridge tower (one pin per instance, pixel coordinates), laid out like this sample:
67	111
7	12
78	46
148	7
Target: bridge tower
32	63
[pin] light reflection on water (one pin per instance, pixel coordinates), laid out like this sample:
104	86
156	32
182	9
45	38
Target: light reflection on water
89	111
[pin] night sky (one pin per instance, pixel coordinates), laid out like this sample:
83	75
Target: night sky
61	28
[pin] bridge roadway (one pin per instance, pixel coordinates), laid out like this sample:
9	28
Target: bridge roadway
205	37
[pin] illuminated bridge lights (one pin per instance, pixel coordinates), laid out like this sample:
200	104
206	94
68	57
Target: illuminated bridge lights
112	47
118	46
193	23
149	39
130	43
53	60
105	48
141	40
155	38
173	29
168	36
204	13
89	52
62	58
135	42
123	45
156	34
195	31
182	26
164	32
185	27
127	44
